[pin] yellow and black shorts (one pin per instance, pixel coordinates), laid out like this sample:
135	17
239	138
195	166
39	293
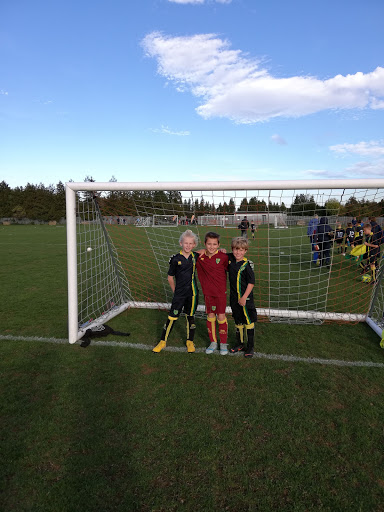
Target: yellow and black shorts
181	303
243	315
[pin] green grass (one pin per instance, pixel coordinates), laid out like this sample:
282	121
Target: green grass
121	429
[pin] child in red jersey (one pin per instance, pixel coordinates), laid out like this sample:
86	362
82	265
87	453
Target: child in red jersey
211	269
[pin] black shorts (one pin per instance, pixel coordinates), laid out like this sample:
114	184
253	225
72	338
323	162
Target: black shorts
186	304
339	241
243	315
372	256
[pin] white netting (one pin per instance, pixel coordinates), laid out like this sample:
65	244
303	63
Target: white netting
102	282
289	285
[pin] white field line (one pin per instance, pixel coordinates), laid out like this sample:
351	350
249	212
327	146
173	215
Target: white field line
258	355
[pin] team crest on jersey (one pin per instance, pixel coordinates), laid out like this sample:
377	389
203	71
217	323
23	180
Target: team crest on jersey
217	260
179	262
213	308
175	311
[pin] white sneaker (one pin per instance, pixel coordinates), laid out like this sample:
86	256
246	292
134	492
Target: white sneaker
223	349
212	347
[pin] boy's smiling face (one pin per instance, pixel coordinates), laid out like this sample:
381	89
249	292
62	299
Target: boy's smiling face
239	253
211	245
187	244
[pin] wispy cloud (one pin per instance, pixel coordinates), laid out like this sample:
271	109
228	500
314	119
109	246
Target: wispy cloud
279	139
199	2
363	169
167	131
44	102
372	148
233	85
3	93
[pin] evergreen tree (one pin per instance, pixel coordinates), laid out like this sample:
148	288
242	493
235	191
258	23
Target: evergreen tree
5	200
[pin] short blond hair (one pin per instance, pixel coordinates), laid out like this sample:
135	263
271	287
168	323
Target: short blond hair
239	242
190	234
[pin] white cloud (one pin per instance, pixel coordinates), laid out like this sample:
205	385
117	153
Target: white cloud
362	169
3	93
186	1
167	131
279	139
233	85
367	169
372	148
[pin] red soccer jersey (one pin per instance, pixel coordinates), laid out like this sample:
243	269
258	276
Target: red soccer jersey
212	274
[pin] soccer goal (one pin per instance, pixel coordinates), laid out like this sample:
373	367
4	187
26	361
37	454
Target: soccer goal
212	220
115	266
165	220
280	221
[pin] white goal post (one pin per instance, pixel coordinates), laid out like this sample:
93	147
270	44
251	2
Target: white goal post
103	257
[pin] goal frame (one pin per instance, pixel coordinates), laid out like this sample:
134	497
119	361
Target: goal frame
74	333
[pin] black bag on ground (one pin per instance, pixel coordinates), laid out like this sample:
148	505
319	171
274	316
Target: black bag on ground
99	331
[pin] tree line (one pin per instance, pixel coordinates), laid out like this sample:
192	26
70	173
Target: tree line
47	203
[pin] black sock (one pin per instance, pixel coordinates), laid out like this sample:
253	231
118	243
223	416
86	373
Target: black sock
191	328
250	336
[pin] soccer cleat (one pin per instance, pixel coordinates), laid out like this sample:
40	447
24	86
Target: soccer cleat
238	348
212	347
223	349
249	352
190	346
159	347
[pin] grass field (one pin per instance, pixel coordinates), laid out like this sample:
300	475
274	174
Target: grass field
115	428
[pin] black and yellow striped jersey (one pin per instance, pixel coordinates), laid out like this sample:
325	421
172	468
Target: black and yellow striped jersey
184	271
350	234
359	234
240	274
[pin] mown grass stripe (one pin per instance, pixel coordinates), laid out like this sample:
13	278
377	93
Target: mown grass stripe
259	355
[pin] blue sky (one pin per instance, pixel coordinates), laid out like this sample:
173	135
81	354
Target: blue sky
161	90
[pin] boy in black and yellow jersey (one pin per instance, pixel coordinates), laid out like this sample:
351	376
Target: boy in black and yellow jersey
182	266
241	283
359	234
372	241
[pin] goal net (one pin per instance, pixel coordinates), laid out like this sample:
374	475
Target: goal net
113	266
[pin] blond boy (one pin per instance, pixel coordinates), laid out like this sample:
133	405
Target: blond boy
182	266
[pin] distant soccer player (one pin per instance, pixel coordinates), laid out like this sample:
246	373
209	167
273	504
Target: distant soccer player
253	229
241	283
359	233
244	226
312	226
376	229
323	238
349	236
182	266
211	268
372	241
339	238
